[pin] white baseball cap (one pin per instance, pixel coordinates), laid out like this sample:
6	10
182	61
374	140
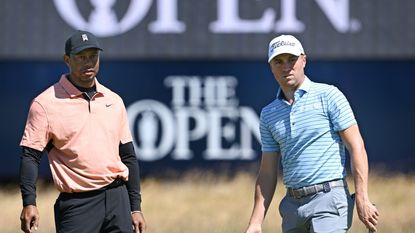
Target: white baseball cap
284	44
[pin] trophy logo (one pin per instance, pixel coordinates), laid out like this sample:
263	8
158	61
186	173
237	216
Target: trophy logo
103	21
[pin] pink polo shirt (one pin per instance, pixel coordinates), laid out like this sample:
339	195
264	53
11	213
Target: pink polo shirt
85	136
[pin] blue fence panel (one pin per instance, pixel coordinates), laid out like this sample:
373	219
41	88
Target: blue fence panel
203	114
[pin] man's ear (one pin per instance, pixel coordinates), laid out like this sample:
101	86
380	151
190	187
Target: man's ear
66	59
305	61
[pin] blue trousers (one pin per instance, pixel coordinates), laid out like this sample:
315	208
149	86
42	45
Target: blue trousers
104	211
330	212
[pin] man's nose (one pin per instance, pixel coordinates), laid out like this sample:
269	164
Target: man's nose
90	59
286	66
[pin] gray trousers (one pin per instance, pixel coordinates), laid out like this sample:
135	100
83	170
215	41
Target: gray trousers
105	211
330	212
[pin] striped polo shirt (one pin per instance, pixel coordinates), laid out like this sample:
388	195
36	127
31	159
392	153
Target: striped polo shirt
85	135
306	133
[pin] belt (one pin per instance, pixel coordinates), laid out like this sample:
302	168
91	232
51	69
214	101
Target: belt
315	188
117	182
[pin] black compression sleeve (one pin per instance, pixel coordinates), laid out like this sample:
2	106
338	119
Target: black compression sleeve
29	167
128	157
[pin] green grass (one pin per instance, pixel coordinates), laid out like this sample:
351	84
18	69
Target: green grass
205	203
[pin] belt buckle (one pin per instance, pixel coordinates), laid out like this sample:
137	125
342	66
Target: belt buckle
326	187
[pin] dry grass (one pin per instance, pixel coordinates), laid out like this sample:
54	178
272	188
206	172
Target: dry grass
200	203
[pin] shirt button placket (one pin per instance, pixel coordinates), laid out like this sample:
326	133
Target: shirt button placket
292	122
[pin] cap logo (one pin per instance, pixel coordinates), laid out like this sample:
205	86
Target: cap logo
84	37
282	43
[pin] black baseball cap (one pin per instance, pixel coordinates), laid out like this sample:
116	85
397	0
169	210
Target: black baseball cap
79	41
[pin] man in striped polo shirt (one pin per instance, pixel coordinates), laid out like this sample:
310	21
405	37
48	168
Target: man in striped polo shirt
83	127
307	127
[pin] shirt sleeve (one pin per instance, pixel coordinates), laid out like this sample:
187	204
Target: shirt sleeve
339	110
129	158
29	168
36	132
125	131
268	142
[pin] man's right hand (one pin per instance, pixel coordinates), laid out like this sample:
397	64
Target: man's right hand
254	228
29	219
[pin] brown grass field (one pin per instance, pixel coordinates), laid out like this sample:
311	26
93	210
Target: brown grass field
205	203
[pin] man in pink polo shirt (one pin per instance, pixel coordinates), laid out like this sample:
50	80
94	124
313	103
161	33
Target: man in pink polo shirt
83	127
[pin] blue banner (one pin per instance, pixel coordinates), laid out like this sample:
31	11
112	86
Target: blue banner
204	114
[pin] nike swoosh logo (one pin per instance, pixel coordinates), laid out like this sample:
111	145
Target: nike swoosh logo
108	105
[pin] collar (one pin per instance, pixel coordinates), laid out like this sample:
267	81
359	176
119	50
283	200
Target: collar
304	87
72	91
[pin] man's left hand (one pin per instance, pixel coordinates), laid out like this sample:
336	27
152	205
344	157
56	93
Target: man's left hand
139	223
368	214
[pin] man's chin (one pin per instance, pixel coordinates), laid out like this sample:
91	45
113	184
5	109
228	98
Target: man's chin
88	76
